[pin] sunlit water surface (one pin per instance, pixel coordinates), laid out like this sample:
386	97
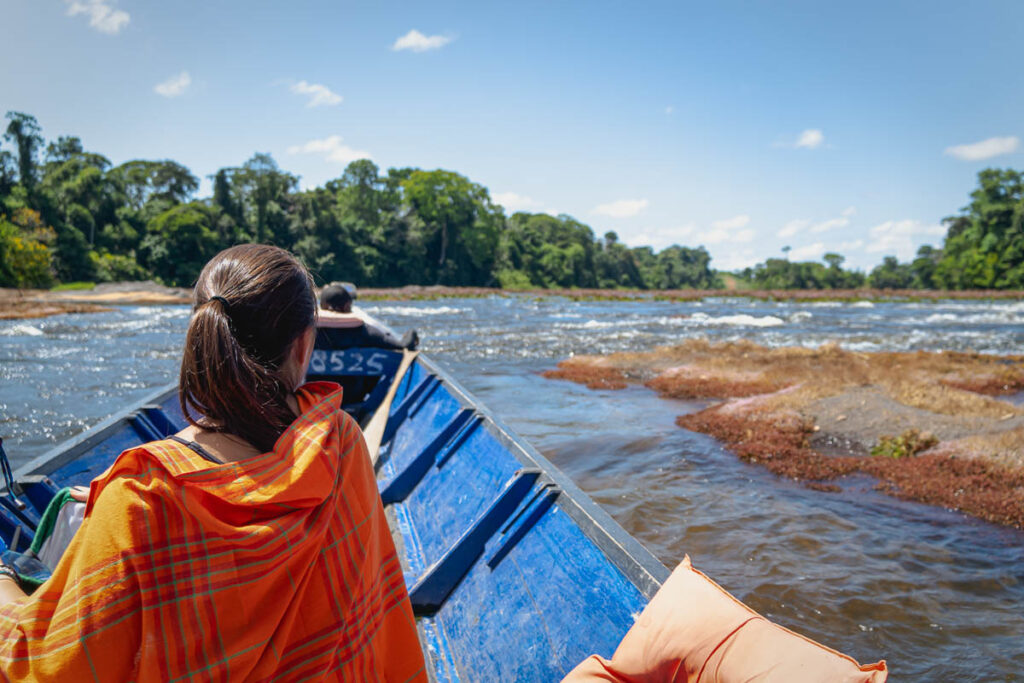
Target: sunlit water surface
937	594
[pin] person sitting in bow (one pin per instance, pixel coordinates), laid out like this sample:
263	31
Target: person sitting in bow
341	326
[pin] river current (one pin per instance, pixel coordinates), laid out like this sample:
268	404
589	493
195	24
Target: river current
938	594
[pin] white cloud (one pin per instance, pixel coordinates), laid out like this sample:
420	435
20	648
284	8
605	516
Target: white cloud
984	149
731	223
174	86
796	226
727	230
793	227
319	95
102	15
736	260
849	246
659	238
810	139
830	224
417	42
332	149
514	202
623	208
807	252
901	238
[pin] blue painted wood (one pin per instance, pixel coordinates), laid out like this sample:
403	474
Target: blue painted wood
437	582
448	500
145	427
412	378
552	601
518	527
456	443
423	398
546	592
171	408
420	429
376	396
398	415
39	491
163	424
12	528
398	487
22	511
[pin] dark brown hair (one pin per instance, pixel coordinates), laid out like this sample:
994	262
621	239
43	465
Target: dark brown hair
250	303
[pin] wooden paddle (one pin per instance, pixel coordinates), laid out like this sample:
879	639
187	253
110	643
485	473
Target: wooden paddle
374	431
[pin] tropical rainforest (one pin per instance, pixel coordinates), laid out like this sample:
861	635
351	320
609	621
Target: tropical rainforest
70	215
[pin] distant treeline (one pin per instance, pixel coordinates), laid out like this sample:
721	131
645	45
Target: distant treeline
70	215
983	249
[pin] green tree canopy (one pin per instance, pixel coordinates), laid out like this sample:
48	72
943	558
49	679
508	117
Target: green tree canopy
461	226
179	243
984	245
404	226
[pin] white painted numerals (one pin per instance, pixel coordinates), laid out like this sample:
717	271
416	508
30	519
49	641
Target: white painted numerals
346	362
318	362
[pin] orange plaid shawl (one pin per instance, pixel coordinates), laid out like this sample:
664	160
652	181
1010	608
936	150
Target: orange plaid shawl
280	567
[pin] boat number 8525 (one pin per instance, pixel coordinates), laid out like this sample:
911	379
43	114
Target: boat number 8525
347	362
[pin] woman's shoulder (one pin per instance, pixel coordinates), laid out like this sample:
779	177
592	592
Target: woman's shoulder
147	468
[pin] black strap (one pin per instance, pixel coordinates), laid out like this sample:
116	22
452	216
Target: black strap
198	449
5	465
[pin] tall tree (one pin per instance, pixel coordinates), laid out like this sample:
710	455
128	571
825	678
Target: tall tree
462	225
165	181
984	245
891	274
64	148
615	264
264	190
923	267
8	173
538	250
23	132
179	243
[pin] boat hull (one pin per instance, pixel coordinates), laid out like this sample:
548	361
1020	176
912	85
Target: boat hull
514	572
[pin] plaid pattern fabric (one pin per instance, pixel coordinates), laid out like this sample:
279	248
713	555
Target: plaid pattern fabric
280	567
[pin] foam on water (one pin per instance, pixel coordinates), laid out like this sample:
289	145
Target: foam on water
741	319
21	330
941	317
415	311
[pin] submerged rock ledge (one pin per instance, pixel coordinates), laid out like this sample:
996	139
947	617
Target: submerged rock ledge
815	415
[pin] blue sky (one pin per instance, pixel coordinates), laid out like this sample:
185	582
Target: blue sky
742	126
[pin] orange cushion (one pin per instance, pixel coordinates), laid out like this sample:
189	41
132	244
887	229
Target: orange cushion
693	631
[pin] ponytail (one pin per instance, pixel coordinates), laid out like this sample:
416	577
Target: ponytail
251	303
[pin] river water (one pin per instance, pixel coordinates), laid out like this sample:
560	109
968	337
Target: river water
937	594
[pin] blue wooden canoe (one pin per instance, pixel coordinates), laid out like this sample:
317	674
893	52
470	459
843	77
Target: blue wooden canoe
514	573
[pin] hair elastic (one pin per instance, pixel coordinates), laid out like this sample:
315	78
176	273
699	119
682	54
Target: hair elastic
221	299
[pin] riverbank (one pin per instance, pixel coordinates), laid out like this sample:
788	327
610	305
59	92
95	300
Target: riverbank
37	303
937	422
40	303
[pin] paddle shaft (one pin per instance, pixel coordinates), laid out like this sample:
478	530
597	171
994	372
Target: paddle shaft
374	431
